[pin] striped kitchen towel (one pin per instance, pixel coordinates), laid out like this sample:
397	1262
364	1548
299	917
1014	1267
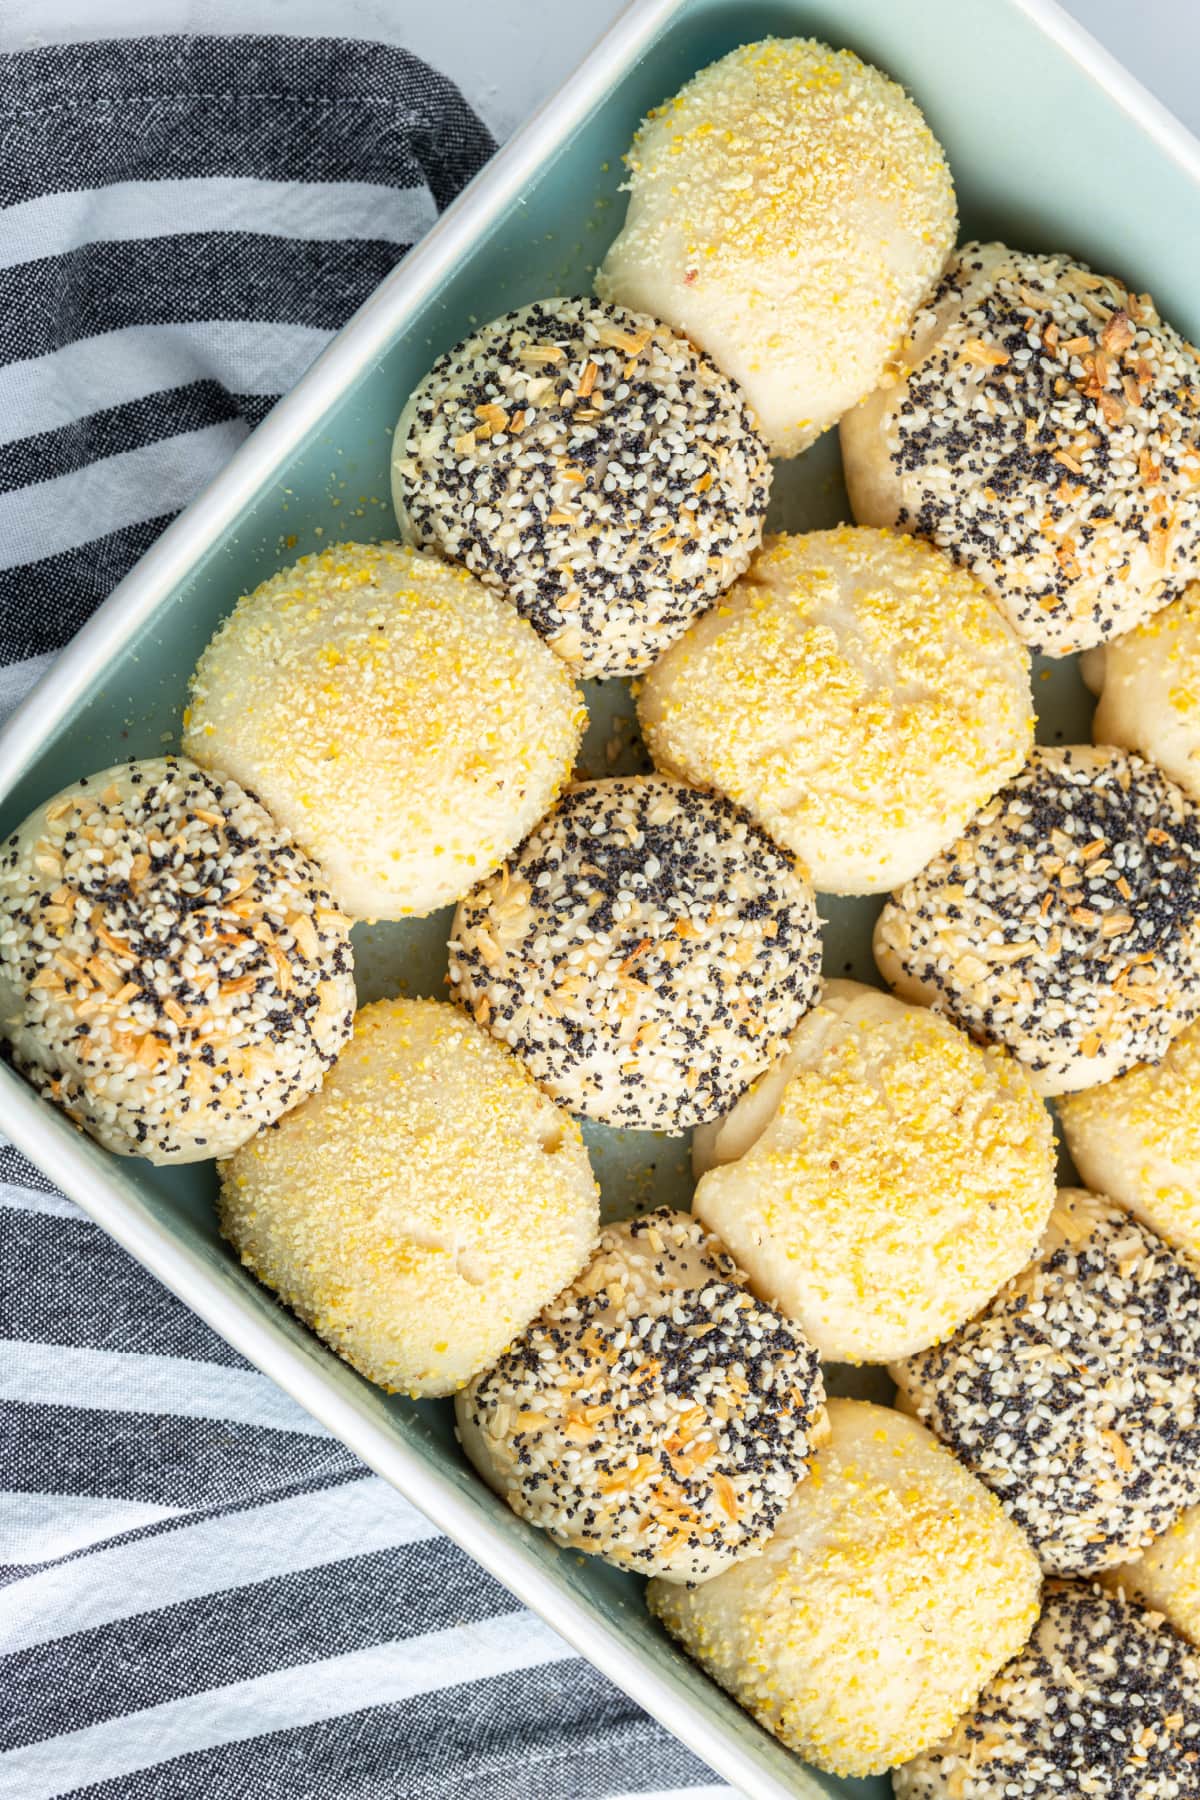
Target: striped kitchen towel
203	1596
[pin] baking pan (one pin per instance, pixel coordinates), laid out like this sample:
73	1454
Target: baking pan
1053	147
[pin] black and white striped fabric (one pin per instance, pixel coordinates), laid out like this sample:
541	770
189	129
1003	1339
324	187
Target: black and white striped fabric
203	1596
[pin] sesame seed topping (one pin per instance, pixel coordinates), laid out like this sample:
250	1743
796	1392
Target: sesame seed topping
1065	922
1103	1703
645	953
1073	1394
1046	432
593	466
656	1414
173	970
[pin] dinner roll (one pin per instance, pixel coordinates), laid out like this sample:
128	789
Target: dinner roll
1073	1394
656	1414
787	211
1149	687
856	693
420	1209
892	1590
591	465
1166	1576
645	953
1138	1139
1039	428
1065	921
1102	1704
173	971
398	718
883	1179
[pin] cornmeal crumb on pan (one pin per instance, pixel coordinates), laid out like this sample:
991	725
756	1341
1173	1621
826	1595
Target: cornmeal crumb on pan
1102	1704
420	1209
656	1414
398	718
1074	1393
173	970
788	210
1064	922
1041	429
891	1592
592	466
856	693
645	952
883	1179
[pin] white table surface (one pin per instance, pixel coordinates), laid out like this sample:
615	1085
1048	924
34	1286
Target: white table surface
507	55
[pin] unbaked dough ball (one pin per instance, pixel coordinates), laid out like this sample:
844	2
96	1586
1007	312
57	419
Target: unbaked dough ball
645	953
1166	1577
1039	428
892	1590
174	973
591	465
1065	921
883	1179
656	1414
420	1209
1073	1395
404	723
1138	1139
787	211
856	693
1149	687
1102	1704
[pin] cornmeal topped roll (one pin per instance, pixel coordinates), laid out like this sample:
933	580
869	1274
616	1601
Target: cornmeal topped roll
422	1206
883	1179
788	210
401	720
1166	1576
856	693
1148	681
891	1591
1138	1139
173	970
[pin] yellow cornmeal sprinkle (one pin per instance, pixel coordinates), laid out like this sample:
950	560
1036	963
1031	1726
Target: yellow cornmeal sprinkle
851	685
1166	1577
893	1590
1152	684
403	721
1176	630
420	1209
906	1175
1138	1138
803	187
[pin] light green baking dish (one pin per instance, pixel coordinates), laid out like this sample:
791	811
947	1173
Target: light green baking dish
1052	147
